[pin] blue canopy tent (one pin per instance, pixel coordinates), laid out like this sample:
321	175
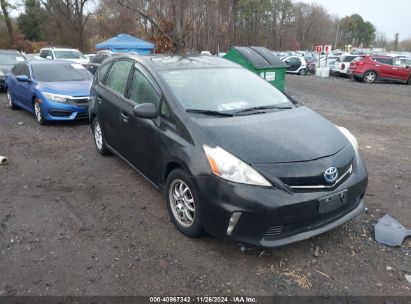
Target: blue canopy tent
126	43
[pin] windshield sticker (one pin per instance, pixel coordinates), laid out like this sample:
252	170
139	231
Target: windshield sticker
77	66
19	59
232	106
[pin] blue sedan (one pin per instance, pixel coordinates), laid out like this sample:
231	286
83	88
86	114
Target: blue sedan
52	90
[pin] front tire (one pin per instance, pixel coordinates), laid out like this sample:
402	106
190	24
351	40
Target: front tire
370	77
183	204
302	72
38	112
10	100
99	140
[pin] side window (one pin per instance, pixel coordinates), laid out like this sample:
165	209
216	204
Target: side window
25	70
385	60
399	63
141	90
164	110
118	76
103	72
21	69
15	69
42	54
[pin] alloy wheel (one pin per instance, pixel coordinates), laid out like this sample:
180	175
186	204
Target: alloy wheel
98	136
37	112
182	203
9	99
370	77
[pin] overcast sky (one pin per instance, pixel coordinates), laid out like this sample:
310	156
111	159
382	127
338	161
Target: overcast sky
389	17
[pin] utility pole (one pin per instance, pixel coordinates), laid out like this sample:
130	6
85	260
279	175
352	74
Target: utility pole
396	42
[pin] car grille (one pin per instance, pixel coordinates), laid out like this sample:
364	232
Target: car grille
60	113
79	100
275	232
82	115
303	176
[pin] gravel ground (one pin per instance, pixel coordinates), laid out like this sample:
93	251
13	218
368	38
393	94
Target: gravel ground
75	223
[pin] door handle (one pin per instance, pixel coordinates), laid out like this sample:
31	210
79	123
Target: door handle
124	117
377	65
395	68
99	100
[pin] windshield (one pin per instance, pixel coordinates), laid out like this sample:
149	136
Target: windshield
10	59
60	72
68	55
222	89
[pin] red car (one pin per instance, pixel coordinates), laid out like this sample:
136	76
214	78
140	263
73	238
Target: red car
372	68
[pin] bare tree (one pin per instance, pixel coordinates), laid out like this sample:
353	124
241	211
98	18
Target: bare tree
71	14
4	8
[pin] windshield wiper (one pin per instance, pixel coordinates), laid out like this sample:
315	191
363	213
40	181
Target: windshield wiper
264	108
209	112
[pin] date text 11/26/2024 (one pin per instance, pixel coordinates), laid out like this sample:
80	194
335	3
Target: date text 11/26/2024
203	299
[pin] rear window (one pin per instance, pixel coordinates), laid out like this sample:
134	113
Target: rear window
349	58
98	59
68	55
357	59
60	72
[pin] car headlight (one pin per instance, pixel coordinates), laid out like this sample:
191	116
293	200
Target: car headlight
229	167
56	97
351	138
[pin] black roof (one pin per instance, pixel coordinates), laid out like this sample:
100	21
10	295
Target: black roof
174	62
260	57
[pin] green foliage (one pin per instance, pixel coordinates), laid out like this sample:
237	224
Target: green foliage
31	23
355	31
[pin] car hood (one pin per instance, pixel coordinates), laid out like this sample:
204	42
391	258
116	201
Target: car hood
283	136
4	69
70	88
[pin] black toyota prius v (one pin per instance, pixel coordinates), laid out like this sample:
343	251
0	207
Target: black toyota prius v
234	156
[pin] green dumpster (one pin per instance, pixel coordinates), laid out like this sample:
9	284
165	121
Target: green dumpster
260	61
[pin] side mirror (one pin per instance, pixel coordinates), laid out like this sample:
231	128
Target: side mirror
49	57
23	78
145	110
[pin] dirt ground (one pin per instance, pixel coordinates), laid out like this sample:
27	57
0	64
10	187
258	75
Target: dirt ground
75	223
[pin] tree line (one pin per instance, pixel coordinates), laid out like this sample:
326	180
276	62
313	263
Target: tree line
181	25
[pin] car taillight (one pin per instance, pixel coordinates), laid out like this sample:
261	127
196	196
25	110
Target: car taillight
343	66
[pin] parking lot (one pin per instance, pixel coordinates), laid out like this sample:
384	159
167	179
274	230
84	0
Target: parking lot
75	223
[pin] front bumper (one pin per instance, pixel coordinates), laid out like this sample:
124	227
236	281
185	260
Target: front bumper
2	83
272	217
56	111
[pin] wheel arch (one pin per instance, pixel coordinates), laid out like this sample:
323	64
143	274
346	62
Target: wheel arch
371	70
173	165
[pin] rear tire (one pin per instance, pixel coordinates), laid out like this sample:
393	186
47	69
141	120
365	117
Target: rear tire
302	72
39	114
10	100
183	204
99	140
370	77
